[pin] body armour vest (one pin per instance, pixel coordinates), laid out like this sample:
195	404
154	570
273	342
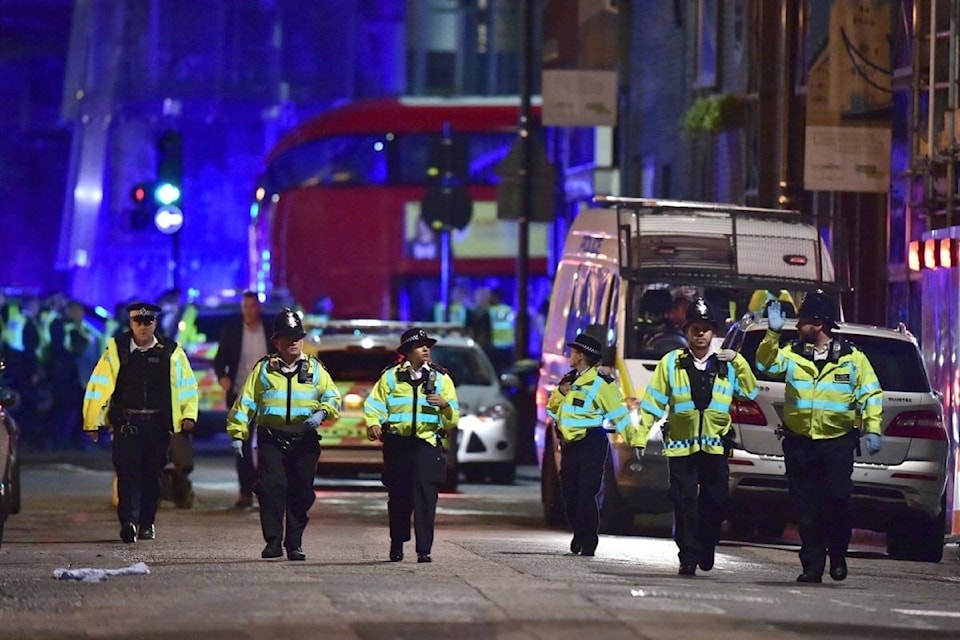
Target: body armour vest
143	381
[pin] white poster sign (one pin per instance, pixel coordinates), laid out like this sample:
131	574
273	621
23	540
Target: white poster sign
844	158
573	98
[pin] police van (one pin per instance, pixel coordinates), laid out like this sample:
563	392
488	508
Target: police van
628	270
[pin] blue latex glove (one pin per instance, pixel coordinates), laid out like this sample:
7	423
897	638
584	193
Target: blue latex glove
726	355
775	317
638	452
314	421
873	443
237	446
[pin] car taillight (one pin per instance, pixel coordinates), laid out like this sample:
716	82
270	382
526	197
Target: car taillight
925	425
747	412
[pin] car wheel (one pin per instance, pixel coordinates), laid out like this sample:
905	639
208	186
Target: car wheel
15	478
473	475
920	539
503	473
616	516
550	495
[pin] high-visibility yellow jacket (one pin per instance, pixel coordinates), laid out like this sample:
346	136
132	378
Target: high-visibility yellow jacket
502	321
283	401
103	381
824	403
401	407
691	430
594	400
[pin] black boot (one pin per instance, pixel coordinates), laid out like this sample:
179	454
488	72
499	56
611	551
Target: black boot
273	549
396	551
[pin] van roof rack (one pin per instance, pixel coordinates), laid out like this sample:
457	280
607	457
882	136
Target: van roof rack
654	203
376	327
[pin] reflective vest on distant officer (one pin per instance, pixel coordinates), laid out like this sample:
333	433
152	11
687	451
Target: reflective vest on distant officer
458	313
502	321
13	330
594	400
280	400
184	394
692	429
823	402
395	404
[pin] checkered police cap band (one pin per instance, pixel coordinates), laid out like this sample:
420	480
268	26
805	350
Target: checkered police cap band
414	336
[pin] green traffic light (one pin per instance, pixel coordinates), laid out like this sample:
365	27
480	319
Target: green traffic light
166	193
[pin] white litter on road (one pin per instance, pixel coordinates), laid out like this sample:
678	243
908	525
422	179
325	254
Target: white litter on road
100	575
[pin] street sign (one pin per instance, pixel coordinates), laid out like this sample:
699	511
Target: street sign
510	201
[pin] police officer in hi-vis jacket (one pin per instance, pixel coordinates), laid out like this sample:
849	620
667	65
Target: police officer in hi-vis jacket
411	409
143	390
288	394
694	387
585	401
830	384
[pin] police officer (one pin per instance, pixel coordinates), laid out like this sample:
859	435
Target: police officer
695	386
410	410
142	389
584	401
830	385
287	395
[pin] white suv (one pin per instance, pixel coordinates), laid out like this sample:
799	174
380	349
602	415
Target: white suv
901	490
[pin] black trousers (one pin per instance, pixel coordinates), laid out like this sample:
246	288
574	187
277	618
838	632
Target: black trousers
412	472
139	453
819	478
581	482
699	495
285	485
246	472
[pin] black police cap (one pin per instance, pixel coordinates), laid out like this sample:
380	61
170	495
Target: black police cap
143	308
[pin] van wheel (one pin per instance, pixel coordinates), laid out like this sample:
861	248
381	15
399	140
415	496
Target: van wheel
553	513
503	473
920	539
616	516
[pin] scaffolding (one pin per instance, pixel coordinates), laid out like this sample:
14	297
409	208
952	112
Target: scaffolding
935	151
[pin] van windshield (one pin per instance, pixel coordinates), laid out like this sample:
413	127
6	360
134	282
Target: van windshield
658	311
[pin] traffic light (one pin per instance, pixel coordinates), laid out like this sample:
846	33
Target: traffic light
168	188
142	209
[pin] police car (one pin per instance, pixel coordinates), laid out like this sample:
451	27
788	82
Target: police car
901	490
356	352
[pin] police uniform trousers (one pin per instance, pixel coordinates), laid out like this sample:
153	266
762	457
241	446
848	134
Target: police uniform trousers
139	453
581	482
699	495
412	472
287	467
819	479
246	472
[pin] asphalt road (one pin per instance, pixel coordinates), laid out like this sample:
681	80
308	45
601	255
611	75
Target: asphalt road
498	572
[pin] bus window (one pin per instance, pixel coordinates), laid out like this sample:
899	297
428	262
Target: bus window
484	151
340	160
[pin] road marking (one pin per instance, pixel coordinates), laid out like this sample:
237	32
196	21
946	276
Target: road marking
662	593
932	614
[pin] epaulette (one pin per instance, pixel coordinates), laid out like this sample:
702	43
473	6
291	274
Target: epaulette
606	376
388	367
437	368
318	361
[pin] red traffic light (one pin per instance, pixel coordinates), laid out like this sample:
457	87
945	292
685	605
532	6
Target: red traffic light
139	194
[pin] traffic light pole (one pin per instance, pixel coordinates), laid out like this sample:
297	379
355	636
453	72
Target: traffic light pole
522	335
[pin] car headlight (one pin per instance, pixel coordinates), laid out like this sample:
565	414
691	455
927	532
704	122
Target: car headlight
493	412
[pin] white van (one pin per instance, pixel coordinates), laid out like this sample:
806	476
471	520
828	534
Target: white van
623	268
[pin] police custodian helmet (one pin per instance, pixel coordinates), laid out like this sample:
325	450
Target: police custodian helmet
699	311
819	306
287	324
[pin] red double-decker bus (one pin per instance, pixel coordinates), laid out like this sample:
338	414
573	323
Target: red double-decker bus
338	208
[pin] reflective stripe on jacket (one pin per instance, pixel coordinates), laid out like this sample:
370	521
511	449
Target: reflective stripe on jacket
669	394
278	400
824	403
594	400
183	387
395	403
